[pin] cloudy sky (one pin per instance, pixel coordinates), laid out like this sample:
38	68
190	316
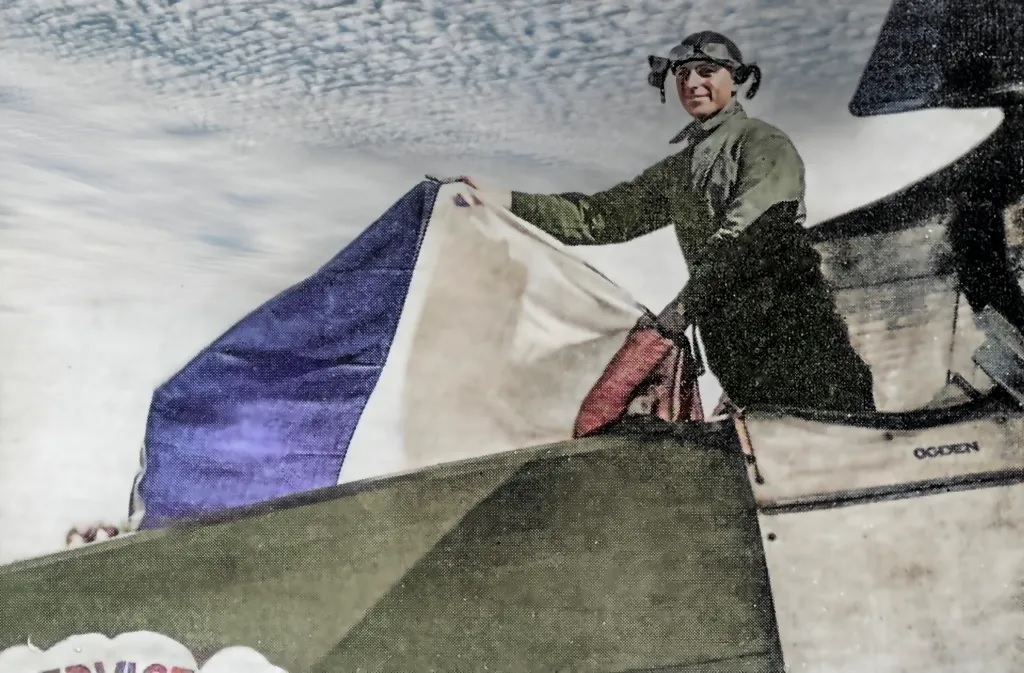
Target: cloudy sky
167	166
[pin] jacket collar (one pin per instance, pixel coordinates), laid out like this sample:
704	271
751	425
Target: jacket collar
732	110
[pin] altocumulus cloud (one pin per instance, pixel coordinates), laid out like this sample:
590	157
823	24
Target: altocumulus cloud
549	85
442	76
169	165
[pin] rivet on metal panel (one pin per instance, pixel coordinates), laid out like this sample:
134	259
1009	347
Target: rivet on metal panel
771	537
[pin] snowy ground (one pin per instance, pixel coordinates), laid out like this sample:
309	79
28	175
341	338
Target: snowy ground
166	169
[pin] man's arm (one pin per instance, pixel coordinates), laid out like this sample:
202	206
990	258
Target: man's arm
769	171
621	213
769	177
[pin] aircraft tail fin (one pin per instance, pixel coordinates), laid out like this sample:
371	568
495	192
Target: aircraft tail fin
937	53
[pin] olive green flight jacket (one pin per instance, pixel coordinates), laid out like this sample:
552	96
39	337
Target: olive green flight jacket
734	194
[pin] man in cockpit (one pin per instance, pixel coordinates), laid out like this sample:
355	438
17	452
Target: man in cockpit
734	193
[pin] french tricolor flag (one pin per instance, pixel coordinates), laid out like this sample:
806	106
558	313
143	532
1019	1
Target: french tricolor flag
441	333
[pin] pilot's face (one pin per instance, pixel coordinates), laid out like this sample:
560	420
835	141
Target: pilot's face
704	87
